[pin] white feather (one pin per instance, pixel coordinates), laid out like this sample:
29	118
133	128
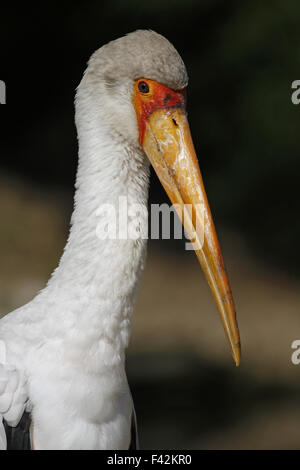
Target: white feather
13	394
64	351
3	444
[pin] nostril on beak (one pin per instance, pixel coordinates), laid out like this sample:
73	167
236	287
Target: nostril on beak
174	122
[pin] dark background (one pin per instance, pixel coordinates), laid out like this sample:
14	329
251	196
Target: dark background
242	58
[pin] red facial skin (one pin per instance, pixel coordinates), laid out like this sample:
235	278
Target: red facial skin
158	97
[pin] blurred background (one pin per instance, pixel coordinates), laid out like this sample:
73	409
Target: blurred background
242	58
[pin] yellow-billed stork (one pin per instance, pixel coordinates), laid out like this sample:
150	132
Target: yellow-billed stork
62	354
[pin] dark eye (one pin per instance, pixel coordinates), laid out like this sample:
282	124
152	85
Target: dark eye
143	87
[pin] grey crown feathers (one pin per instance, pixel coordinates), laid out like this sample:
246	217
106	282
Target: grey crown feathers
142	53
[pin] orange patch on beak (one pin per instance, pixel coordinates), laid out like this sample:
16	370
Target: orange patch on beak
158	97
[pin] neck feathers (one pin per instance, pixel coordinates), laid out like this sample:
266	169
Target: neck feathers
96	280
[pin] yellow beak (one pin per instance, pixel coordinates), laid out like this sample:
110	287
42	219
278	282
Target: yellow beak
168	144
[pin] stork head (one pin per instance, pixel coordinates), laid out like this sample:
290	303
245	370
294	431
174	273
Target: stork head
139	82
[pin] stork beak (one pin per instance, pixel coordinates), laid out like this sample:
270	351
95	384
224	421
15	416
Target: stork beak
168	144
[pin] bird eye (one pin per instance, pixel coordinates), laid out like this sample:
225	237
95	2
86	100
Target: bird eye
143	87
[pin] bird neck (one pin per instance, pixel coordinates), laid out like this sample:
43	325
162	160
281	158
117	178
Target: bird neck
95	284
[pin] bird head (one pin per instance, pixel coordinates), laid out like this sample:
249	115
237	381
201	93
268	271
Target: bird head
140	81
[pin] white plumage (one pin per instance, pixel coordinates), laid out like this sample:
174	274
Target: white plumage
63	353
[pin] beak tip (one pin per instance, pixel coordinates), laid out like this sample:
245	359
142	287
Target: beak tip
237	354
